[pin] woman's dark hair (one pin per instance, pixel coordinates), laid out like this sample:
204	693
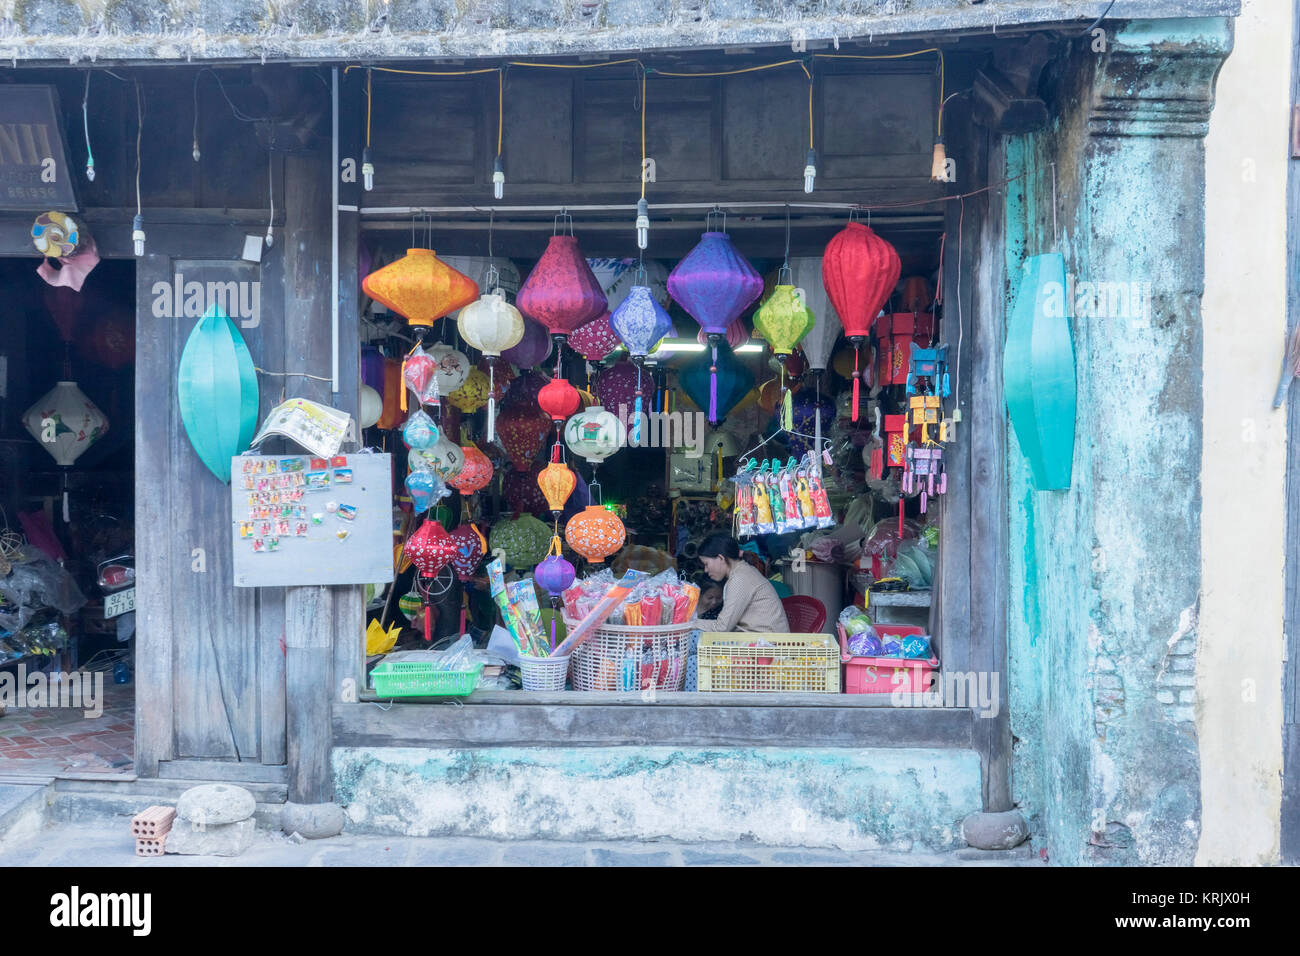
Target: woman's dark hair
720	546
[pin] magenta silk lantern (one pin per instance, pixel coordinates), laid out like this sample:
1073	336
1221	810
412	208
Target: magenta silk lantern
561	292
715	284
595	340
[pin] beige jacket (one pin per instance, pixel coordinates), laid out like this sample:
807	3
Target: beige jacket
750	603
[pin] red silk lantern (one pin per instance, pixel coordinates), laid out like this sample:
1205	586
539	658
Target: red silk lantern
859	270
522	428
595	533
559	399
562	293
421	287
430	549
595	340
470	548
474	474
557	482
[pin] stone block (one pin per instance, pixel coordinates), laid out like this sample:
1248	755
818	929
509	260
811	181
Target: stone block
619	858
315	821
215	804
1187	696
223	839
995	831
706	858
1165	696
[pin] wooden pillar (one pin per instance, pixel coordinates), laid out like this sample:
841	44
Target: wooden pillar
309	611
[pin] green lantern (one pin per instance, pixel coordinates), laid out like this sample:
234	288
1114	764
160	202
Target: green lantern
524	541
783	318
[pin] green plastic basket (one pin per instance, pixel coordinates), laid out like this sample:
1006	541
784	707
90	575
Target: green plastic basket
420	679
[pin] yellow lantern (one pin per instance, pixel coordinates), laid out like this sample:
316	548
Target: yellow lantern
557	482
474	394
421	287
783	319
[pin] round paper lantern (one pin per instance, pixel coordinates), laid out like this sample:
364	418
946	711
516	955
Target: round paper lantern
783	319
557	482
554	575
470	549
445	458
409	605
593	434
522	494
521	429
491	324
561	292
734	380
451	368
474	394
595	340
860	271
595	533
372	406
524	540
475	472
640	322
559	399
421	287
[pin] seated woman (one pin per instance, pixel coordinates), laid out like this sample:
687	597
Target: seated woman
749	602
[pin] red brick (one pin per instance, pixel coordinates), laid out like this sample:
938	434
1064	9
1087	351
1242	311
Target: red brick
22	740
18	755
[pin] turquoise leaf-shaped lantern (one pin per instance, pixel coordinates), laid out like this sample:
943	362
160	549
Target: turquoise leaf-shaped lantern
217	389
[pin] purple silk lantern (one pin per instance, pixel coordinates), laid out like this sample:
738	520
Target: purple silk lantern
554	575
532	349
372	368
640	322
715	284
562	293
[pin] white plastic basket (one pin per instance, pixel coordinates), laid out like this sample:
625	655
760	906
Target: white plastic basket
544	673
623	658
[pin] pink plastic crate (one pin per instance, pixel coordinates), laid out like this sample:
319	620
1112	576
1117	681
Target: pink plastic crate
884	675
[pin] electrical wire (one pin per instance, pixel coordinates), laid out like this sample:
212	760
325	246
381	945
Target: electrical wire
139	131
501	107
270	182
196	109
368	101
643	74
239	114
85	125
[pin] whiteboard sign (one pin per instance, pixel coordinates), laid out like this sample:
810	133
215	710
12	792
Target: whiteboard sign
300	520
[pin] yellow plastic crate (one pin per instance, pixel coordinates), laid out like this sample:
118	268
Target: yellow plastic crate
769	663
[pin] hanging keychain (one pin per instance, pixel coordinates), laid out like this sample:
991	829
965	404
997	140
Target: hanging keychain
821	500
804	492
793	515
763	503
773	479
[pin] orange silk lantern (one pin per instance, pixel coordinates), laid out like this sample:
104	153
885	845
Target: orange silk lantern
557	482
595	533
474	474
421	287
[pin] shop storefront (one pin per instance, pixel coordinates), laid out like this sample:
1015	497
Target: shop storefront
862	210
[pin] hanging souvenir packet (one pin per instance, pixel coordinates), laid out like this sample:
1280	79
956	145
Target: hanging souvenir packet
817	491
763	517
794	519
746	518
805	495
420	431
773	482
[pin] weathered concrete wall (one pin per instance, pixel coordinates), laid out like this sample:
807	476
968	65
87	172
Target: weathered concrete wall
1105	581
1239	663
184	30
851	799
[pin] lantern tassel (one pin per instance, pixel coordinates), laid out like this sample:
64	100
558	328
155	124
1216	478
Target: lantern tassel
636	413
555	606
402	400
428	622
713	388
492	402
856	382
787	404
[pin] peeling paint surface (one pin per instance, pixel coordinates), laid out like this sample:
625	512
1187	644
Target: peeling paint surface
850	799
185	30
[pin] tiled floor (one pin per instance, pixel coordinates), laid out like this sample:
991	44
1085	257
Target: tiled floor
59	740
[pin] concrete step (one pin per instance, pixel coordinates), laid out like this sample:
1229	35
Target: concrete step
24	809
79	800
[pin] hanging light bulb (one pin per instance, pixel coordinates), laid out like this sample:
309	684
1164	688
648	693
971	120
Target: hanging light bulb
90	169
498	178
810	171
939	165
196	154
367	169
642	223
137	234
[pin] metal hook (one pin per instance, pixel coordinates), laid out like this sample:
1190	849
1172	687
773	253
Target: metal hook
708	219
563	215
